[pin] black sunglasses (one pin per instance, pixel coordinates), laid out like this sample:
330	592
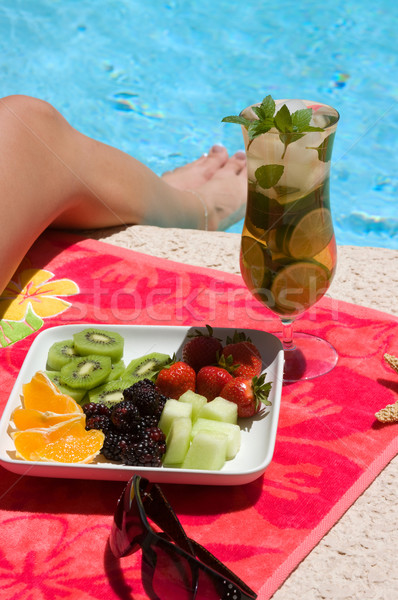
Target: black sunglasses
174	566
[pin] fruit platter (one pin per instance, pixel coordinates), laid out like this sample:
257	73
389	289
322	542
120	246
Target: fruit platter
196	419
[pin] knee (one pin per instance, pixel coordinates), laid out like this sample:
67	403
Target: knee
27	105
17	110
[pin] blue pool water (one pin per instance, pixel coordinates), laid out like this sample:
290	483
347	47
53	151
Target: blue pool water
155	79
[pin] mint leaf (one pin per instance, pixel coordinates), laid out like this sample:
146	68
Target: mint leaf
268	105
324	149
310	128
259	112
238	120
258	127
301	119
268	175
291	127
289	138
285	190
283	120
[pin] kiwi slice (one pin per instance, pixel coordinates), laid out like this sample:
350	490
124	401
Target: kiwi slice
76	394
86	372
146	366
99	341
118	369
59	354
109	393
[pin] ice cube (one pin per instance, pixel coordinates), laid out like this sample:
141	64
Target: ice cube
292	105
319	120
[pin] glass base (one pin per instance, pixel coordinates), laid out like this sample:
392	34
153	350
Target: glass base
310	357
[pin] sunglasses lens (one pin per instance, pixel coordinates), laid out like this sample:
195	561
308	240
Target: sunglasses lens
210	588
166	574
169	576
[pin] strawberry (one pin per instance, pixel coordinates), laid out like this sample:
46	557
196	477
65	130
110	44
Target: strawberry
202	349
241	357
248	394
210	381
175	379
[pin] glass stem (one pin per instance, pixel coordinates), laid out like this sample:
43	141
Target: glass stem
287	334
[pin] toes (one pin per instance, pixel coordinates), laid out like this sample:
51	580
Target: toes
237	163
240	155
208	165
218	156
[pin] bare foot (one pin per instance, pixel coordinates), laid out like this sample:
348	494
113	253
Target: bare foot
196	173
220	181
225	194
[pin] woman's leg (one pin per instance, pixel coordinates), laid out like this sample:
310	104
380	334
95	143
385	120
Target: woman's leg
52	175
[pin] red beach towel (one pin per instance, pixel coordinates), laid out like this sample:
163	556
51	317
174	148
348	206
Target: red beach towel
329	448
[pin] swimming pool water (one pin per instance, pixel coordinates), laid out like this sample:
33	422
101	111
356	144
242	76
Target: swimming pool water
156	78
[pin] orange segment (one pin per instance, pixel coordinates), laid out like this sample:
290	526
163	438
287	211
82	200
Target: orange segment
30	418
43	395
29	443
67	442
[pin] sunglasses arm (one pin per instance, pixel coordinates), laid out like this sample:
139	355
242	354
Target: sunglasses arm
161	513
211	561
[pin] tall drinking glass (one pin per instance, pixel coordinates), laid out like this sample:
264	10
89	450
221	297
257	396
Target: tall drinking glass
288	246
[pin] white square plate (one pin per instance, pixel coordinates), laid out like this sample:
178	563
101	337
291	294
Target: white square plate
258	433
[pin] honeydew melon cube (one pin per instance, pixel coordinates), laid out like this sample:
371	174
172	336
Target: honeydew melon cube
196	400
172	410
207	451
220	409
229	429
178	441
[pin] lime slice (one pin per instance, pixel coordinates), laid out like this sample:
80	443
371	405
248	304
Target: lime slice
253	262
311	234
298	286
286	194
327	256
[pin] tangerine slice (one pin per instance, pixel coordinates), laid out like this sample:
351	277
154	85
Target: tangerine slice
67	442
43	395
30	418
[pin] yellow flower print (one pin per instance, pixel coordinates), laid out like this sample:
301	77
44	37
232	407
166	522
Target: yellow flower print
34	288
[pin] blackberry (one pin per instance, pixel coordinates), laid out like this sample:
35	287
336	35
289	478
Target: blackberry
154	438
101	422
157	438
96	408
155	434
124	415
138	427
115	444
132	435
146	396
161	402
149	421
142	454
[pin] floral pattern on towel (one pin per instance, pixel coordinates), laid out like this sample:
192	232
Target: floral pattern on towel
31	296
329	445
